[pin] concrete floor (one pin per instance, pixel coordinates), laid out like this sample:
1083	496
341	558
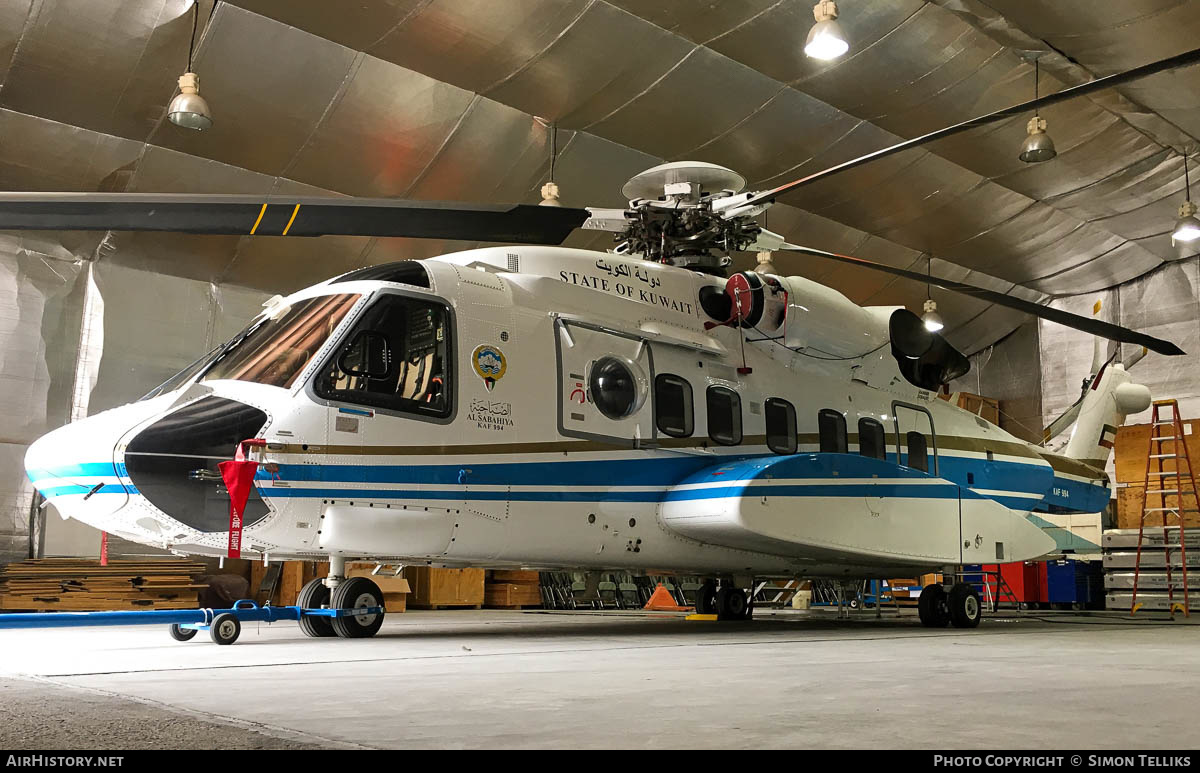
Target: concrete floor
465	679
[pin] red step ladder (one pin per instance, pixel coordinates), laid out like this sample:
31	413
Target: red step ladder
1167	446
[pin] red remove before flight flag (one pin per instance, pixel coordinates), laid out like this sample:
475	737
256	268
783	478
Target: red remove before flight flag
239	477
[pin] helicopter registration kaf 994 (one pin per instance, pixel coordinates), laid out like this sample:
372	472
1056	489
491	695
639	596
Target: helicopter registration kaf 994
547	407
476	409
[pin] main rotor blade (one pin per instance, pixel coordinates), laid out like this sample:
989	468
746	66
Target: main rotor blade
1170	63
1086	324
283	216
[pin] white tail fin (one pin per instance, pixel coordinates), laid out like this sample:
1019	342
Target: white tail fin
1111	397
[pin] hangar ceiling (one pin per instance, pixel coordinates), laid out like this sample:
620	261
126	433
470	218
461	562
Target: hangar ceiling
449	99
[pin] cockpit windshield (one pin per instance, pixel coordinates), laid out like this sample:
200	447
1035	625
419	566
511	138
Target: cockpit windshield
274	348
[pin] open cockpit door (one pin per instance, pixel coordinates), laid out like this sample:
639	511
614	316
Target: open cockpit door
604	379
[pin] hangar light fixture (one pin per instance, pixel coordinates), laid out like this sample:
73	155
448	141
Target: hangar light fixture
1038	145
825	39
188	109
933	320
550	189
1187	228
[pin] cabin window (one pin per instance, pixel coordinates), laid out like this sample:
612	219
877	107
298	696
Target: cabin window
780	417
831	427
673	405
918	451
916	444
397	357
724	415
277	345
871	439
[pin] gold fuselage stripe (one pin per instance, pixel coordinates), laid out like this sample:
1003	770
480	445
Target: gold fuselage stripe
946	443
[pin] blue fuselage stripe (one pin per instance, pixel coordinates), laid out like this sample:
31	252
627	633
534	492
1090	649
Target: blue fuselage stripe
608	480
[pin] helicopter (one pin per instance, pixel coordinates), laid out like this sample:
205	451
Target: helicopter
538	406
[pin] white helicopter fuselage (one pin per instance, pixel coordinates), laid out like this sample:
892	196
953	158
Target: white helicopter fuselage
490	446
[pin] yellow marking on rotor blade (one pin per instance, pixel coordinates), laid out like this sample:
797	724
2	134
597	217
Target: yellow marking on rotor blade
1096	308
292	220
261	212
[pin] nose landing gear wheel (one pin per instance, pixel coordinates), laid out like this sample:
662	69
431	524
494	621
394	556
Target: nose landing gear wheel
731	603
178	633
355	593
965	609
225	628
932	607
315	595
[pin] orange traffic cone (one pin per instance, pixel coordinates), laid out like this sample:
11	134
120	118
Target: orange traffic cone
661	601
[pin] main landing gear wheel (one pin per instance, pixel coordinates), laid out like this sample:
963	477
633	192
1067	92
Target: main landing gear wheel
356	593
931	607
965	609
225	628
732	603
315	595
706	599
179	633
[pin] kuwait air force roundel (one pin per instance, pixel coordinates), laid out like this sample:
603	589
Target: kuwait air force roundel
489	363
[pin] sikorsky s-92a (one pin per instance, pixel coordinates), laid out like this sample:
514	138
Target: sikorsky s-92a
546	407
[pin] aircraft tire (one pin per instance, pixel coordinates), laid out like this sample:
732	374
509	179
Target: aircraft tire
931	607
315	595
965	608
732	603
706	598
352	593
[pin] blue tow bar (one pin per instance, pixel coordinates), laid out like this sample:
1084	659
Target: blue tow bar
243	611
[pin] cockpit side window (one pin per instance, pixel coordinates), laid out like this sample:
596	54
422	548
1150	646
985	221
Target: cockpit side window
276	347
396	357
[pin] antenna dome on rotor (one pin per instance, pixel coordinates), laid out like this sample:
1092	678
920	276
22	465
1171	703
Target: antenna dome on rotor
703	176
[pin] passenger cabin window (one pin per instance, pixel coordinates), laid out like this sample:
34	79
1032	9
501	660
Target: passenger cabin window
780	417
724	415
397	357
831	427
871	439
673	410
918	453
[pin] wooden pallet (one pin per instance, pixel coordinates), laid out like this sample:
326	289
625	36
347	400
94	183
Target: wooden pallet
83	585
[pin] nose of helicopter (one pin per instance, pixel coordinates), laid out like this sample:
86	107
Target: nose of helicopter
160	457
74	467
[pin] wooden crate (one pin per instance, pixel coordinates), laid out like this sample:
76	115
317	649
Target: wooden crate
395	588
437	588
511	595
515	575
1133	443
1129	509
1131	448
